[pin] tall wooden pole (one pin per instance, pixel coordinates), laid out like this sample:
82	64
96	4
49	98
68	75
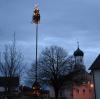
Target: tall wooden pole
36	21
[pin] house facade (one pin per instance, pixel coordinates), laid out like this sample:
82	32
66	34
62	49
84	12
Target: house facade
9	87
95	72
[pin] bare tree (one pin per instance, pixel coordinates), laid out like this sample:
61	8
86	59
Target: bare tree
54	64
11	66
11	62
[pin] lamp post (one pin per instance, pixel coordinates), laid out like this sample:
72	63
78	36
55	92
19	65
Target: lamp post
36	21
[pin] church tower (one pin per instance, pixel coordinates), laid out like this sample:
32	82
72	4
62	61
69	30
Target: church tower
79	55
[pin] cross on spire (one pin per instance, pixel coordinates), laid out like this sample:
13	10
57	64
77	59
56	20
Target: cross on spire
78	44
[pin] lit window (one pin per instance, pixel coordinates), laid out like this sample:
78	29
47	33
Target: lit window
91	85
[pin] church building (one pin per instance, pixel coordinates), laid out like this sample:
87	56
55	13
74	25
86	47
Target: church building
81	86
95	72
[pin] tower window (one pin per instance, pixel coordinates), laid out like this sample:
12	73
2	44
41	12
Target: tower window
80	60
77	90
83	90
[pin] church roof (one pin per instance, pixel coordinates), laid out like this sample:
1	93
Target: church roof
78	52
79	76
96	64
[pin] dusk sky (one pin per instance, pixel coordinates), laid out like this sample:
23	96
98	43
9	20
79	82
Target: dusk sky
63	23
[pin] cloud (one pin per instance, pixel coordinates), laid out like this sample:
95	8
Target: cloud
63	22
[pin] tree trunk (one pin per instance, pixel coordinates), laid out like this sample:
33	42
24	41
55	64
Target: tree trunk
56	93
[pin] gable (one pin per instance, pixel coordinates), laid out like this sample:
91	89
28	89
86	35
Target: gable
96	64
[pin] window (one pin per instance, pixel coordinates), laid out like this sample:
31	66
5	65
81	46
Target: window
83	90
77	90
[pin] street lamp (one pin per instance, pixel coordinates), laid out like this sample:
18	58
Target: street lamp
36	21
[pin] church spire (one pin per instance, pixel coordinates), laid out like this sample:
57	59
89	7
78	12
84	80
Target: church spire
78	54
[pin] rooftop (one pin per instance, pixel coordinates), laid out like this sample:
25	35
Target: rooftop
96	64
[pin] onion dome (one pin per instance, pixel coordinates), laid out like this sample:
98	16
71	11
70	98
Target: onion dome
78	52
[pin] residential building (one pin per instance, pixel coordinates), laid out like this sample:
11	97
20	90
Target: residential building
95	72
9	87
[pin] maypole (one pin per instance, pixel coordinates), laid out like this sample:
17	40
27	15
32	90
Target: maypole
36	21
